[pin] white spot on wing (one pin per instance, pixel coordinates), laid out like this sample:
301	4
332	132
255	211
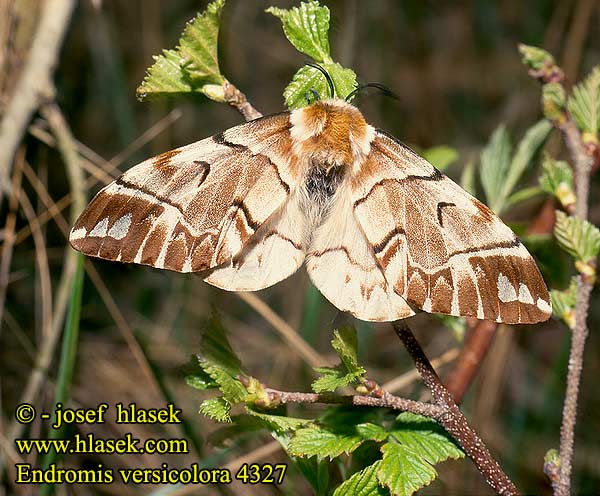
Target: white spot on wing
100	229
525	295
506	291
78	233
427	305
120	228
544	306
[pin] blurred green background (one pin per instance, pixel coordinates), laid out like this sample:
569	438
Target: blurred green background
458	75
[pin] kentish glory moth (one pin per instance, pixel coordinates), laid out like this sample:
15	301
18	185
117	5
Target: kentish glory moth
382	232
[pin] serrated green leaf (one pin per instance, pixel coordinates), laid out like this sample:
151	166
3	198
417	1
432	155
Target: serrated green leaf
198	46
578	237
495	160
372	432
441	157
299	93
307	28
557	180
200	380
164	77
554	101
215	347
534	57
217	409
345	343
425	437
528	147
220	362
362	483
279	423
192	67
320	442
564	303
584	104
333	378
402	471
315	471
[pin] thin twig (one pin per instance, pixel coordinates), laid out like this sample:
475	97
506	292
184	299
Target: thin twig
238	100
582	163
386	401
453	420
35	82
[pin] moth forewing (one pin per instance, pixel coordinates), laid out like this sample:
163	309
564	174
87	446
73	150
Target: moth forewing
383	232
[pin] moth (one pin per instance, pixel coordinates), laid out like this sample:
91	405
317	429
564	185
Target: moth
383	234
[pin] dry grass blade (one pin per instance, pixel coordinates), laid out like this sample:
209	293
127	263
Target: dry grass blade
287	332
9	233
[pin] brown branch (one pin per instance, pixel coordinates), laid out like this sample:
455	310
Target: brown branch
453	420
35	82
583	165
387	400
238	100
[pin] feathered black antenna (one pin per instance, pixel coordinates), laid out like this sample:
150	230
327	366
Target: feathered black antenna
327	76
381	87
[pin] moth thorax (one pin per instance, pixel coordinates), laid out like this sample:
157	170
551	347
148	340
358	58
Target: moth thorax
330	132
322	181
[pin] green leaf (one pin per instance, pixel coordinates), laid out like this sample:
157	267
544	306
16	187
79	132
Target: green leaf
495	159
523	195
499	173
279	423
426	438
217	409
579	238
299	94
564	303
164	78
441	157
554	101
307	28
193	66
363	483
557	180
220	362
534	139
403	471
333	378
584	105
321	442
198	46
372	432
467	178
315	471
200	380
345	343
535	57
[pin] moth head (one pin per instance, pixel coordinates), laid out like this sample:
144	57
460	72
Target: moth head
332	132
